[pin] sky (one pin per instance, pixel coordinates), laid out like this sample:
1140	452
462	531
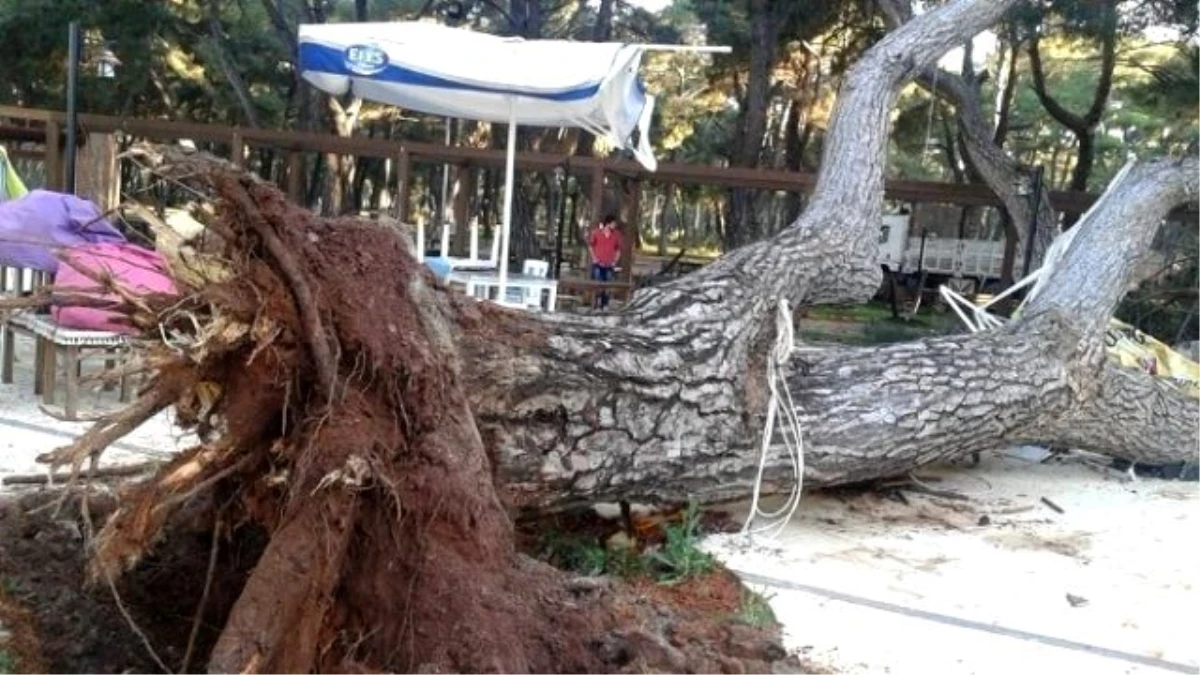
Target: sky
650	5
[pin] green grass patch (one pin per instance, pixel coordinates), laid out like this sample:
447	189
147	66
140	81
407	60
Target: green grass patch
8	663
679	558
871	311
872	324
676	559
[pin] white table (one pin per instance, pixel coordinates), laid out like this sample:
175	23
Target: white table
475	279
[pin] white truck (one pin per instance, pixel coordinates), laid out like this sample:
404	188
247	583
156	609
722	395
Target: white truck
964	264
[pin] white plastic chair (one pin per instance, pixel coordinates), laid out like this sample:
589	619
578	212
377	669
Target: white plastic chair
536	268
529	297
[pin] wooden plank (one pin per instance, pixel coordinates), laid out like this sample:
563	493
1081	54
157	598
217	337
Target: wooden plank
25	153
17	134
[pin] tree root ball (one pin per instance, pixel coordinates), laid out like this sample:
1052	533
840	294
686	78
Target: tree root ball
321	376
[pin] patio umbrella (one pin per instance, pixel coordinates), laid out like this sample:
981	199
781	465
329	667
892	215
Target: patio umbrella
456	72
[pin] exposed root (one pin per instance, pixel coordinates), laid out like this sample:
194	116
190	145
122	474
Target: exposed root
133	625
122	471
109	430
278	622
314	331
203	604
137	524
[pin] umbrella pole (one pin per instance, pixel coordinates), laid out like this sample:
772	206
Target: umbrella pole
506	226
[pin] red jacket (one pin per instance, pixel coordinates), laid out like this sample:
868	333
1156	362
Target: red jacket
605	246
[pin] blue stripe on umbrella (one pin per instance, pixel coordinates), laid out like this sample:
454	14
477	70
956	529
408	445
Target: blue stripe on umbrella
325	59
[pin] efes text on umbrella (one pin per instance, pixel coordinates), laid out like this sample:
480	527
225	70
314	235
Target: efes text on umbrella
365	59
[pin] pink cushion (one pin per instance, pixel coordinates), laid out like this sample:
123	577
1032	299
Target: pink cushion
133	268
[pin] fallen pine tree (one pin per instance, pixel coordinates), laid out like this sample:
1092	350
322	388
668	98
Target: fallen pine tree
377	424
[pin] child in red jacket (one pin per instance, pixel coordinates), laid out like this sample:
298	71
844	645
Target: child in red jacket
604	246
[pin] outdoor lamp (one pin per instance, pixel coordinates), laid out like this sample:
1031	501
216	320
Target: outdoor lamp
106	64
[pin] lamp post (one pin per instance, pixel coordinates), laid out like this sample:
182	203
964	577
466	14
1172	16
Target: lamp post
72	104
1034	203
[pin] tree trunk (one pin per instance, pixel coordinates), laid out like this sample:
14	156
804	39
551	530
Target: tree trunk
662	409
343	118
1082	126
217	44
743	224
664	400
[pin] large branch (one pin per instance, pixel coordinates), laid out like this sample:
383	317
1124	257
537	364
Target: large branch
1065	117
1082	126
847	202
999	170
1132	415
1098	266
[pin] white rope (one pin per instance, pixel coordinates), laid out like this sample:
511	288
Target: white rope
981	319
1058	249
780	407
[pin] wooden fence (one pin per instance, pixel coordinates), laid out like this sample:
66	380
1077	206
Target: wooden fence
34	131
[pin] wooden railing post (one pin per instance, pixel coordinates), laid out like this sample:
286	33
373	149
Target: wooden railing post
97	173
237	150
403	170
295	177
632	203
52	159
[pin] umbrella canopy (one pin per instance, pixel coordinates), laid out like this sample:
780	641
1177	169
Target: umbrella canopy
457	72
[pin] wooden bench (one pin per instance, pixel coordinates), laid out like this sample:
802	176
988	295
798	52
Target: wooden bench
586	289
78	345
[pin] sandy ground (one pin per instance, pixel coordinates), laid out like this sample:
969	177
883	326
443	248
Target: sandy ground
26	431
868	584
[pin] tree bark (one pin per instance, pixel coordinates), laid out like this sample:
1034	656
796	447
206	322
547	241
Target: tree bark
664	400
641	411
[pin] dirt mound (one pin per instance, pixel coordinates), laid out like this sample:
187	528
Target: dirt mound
58	623
68	626
318	365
